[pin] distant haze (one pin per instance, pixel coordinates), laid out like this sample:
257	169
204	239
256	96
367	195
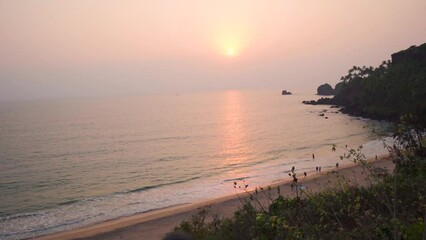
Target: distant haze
93	48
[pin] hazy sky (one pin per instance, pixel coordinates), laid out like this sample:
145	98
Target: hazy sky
92	48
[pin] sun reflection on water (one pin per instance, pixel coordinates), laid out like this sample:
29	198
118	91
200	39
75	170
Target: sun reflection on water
235	150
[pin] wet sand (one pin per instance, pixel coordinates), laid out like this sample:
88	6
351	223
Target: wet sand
156	224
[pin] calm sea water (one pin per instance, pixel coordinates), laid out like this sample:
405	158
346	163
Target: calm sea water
71	163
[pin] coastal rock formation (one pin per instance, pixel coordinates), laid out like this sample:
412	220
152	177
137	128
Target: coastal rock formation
338	88
361	92
325	90
285	92
311	102
321	101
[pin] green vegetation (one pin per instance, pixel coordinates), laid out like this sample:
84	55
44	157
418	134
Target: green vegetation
391	207
389	91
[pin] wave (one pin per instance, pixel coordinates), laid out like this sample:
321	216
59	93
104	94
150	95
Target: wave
238	178
20	215
80	153
156	139
161	185
69	202
47	228
167	159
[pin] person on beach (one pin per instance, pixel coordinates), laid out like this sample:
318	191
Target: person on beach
313	156
337	165
316	169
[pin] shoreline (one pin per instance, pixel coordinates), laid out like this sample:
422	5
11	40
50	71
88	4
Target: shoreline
154	224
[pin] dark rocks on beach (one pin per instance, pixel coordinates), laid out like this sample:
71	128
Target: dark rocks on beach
312	102
321	101
325	101
285	92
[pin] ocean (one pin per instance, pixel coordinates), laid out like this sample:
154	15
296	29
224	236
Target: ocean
65	164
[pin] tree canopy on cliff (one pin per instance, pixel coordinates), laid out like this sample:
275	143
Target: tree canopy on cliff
394	89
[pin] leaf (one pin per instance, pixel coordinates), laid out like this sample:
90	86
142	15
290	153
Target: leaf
260	217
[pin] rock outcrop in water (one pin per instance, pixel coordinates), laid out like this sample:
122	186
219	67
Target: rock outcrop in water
285	92
325	90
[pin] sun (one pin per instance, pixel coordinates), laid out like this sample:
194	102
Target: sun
231	38
230	51
230	43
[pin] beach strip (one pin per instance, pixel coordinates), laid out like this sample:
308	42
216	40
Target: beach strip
155	224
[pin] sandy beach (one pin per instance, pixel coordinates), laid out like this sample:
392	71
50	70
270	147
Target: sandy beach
155	224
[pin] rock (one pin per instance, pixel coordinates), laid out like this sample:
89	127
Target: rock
312	102
338	87
321	101
285	92
325	90
325	101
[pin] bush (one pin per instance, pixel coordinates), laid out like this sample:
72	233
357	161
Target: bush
392	208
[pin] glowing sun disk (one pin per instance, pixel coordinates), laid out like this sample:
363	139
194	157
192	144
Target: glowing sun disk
230	52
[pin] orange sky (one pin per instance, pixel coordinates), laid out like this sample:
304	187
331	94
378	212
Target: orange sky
80	48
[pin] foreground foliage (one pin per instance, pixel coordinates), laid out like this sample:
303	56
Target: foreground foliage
392	208
347	213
